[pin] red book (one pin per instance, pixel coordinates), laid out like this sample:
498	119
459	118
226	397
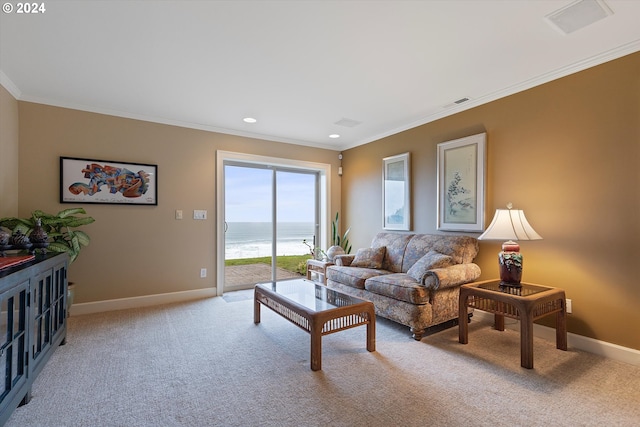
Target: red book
10	261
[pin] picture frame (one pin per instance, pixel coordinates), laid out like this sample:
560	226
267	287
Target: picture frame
461	184
396	192
108	182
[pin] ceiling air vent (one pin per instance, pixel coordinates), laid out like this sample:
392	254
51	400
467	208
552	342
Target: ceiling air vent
458	102
578	15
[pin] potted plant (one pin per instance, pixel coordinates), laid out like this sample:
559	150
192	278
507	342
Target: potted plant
61	230
340	245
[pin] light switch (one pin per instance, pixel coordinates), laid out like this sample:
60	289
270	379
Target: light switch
178	214
199	214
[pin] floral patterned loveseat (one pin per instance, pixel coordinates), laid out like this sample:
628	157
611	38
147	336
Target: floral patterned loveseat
412	279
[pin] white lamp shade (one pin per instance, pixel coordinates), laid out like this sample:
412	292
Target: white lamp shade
509	224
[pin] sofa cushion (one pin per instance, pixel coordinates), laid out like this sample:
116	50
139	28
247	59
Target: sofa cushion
430	260
369	258
396	243
343	259
352	276
462	249
399	286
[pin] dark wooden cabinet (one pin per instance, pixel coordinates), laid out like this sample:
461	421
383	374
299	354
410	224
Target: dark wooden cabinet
33	322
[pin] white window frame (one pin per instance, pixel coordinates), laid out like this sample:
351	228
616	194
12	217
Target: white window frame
323	169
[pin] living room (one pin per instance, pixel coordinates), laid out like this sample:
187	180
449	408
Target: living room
583	122
565	151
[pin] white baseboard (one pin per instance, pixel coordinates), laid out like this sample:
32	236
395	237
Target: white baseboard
142	301
601	348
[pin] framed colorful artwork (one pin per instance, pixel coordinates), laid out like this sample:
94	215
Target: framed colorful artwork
396	192
461	184
109	182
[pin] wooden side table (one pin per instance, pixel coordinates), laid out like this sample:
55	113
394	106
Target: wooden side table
318	267
525	303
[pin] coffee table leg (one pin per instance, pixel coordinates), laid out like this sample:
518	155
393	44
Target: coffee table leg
316	347
371	331
256	308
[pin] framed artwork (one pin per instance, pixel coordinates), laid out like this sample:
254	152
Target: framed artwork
461	184
396	186
106	181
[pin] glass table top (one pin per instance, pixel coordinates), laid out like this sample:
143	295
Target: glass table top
523	290
311	295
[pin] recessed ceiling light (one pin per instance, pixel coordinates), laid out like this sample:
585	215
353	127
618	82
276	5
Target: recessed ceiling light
334	136
249	120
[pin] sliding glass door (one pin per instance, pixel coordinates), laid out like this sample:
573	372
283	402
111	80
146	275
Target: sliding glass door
270	212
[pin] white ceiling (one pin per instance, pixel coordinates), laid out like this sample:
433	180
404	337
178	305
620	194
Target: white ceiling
298	67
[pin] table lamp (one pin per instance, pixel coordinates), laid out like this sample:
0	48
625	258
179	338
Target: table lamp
510	225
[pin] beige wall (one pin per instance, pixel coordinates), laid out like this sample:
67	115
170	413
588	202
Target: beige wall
139	250
568	153
8	154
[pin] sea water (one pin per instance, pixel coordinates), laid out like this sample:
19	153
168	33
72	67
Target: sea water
254	239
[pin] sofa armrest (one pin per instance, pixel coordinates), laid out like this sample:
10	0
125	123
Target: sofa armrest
455	275
344	260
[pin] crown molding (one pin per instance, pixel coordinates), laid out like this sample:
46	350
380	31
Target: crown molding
573	68
9	85
171	122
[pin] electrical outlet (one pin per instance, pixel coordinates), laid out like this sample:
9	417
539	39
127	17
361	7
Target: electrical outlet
203	272
569	306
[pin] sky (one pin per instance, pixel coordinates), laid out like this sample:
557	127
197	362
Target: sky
248	195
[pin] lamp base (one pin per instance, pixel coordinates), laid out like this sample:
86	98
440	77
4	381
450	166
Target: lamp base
510	261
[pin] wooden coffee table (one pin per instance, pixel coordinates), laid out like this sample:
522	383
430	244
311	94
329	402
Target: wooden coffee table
526	304
317	310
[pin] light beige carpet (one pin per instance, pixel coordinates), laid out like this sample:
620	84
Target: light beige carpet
205	363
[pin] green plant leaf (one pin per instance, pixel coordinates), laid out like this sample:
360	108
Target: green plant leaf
72	211
75	243
83	238
344	236
12	223
336	240
40	214
59	247
8	222
79	222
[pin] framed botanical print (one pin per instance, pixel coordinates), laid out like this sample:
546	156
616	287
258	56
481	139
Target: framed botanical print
461	184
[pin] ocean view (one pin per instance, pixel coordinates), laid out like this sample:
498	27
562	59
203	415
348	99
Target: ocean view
253	239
